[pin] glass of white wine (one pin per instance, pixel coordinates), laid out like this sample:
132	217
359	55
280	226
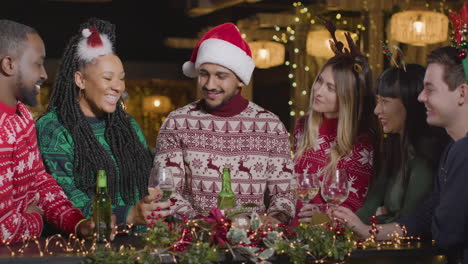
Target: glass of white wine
335	187
161	178
306	188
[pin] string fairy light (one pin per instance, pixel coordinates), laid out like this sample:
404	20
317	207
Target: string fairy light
192	233
288	34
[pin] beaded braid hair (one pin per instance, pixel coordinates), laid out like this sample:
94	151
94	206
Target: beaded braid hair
134	160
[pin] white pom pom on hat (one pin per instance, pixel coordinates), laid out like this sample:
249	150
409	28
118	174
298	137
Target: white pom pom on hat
93	44
86	32
222	45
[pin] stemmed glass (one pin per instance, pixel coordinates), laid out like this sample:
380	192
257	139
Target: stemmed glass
335	187
306	187
161	178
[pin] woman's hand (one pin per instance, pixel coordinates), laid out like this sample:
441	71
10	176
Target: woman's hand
307	211
382	210
148	209
85	228
347	216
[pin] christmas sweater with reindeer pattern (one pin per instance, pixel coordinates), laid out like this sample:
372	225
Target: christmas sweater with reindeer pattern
358	164
253	144
24	182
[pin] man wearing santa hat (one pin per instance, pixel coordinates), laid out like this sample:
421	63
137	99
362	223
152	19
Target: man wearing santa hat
225	130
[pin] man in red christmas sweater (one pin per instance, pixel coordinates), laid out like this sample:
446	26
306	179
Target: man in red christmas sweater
225	130
27	193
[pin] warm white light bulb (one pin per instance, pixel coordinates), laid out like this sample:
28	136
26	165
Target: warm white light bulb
157	103
418	27
263	53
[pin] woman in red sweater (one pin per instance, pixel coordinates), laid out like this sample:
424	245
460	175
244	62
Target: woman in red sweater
339	131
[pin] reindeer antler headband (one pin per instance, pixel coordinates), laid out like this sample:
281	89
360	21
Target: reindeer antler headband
338	46
389	54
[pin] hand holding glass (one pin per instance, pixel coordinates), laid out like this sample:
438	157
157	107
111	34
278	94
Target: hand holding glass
335	187
161	178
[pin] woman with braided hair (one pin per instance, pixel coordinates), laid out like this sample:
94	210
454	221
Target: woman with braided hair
86	129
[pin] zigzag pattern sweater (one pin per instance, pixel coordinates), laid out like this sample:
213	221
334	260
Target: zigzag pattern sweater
23	181
251	141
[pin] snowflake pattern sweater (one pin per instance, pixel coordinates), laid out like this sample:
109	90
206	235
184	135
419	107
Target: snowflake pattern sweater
23	181
249	140
358	164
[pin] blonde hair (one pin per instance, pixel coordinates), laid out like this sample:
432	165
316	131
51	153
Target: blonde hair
353	82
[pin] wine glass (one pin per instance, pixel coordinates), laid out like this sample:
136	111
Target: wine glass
306	187
161	178
335	187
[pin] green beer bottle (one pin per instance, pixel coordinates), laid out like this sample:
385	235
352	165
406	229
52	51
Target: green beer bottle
102	209
226	198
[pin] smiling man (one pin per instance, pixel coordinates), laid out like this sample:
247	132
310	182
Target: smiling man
225	130
28	195
445	96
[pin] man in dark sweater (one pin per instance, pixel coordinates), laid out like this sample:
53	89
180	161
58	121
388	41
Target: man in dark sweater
445	96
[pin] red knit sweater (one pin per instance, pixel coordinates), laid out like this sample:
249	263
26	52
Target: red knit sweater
197	144
23	181
358	164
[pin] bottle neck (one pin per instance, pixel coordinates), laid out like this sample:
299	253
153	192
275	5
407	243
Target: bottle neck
226	182
101	183
101	189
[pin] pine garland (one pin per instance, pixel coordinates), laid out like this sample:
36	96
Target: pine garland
203	241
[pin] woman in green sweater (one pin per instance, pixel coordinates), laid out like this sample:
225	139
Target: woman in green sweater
411	151
85	128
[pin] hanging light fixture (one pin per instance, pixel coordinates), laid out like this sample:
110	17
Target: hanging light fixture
419	27
318	44
267	54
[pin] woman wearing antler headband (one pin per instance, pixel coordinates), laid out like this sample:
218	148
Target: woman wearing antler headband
411	151
86	129
339	131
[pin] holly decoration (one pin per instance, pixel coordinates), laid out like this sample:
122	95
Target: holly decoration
373	222
192	242
331	240
386	50
389	55
460	34
257	242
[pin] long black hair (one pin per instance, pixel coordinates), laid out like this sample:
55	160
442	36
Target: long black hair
418	138
133	159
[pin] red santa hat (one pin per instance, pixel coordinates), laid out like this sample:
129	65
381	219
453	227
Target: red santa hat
93	44
222	45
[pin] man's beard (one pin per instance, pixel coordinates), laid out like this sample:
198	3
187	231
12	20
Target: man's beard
27	96
227	99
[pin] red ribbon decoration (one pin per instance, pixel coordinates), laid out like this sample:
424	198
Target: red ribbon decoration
220	227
